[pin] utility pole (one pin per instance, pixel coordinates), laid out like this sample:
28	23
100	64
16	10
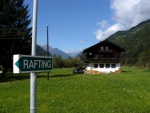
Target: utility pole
47	52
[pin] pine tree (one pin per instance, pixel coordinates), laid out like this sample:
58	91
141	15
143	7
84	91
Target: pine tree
15	33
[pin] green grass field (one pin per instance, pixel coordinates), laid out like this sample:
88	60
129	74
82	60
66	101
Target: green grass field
128	92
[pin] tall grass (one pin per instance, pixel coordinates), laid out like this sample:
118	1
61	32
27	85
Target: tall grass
128	92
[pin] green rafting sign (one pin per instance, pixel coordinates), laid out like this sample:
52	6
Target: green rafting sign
25	63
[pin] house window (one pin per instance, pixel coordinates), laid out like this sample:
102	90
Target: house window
95	65
90	53
102	48
113	65
101	65
106	48
107	65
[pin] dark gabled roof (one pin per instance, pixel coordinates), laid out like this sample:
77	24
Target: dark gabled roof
120	49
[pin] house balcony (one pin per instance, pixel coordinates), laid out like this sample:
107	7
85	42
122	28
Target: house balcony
102	60
105	51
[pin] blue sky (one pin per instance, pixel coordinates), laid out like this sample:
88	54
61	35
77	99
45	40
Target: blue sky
77	24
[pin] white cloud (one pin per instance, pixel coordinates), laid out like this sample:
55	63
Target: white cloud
81	41
126	14
101	35
103	24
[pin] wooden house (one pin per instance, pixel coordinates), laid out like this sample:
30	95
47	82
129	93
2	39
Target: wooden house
103	57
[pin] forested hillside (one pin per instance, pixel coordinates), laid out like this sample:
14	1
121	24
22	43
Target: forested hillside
41	52
136	41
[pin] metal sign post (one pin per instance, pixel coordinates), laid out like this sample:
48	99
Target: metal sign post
33	75
33	63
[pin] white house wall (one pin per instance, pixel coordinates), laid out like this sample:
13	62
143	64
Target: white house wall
90	67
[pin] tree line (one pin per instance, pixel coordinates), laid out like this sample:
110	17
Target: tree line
15	33
58	62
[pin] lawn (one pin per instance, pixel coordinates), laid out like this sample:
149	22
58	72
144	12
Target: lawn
128	92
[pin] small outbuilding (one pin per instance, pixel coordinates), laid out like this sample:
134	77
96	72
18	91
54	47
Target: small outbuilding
103	57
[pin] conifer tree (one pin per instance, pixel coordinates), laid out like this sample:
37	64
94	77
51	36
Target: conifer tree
15	33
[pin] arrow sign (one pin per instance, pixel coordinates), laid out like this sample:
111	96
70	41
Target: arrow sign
26	64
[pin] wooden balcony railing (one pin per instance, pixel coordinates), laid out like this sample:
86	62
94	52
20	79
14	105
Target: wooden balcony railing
102	60
105	51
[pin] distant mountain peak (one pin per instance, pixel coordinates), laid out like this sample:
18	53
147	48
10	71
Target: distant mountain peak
56	51
73	54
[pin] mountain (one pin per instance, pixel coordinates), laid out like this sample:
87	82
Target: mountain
40	51
56	51
136	41
73	54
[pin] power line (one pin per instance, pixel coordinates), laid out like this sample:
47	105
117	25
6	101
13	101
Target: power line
72	38
52	32
67	34
53	35
8	38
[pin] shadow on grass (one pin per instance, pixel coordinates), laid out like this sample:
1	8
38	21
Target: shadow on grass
126	71
14	77
61	75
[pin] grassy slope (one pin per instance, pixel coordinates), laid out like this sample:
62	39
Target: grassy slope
127	92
